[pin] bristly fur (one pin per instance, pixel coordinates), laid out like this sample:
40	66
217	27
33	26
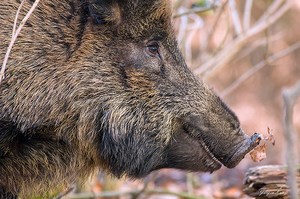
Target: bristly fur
96	84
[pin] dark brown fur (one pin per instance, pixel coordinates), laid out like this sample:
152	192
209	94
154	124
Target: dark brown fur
101	84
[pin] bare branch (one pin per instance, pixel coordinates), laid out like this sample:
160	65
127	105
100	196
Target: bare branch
16	18
66	192
14	36
254	45
190	183
271	9
259	66
261	25
226	55
133	194
212	6
214	26
182	28
235	17
193	30
247	15
290	96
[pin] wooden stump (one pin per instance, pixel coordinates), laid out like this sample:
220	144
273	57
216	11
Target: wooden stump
268	182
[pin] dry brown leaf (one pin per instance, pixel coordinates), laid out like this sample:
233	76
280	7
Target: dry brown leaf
258	153
270	137
233	192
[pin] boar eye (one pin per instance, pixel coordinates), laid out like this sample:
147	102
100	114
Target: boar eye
153	49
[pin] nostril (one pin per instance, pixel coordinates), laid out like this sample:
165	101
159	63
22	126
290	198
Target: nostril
256	138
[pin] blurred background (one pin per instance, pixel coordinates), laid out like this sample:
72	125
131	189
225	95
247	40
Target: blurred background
248	52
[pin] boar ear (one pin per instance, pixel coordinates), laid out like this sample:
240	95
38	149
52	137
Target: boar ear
105	11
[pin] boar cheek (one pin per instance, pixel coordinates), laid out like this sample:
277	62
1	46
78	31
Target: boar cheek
131	154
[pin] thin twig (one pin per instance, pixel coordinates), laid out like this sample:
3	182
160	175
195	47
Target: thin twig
147	181
222	43
16	18
66	192
190	183
271	9
254	45
226	55
259	66
235	17
261	25
14	38
290	96
132	193
182	28
197	10
247	15
214	26
193	29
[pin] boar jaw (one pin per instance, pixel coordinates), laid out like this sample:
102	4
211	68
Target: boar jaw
186	152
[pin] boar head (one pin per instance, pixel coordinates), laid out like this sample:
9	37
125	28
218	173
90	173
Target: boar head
106	76
157	114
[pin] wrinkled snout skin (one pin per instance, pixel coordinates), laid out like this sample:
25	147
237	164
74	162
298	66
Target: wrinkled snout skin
99	84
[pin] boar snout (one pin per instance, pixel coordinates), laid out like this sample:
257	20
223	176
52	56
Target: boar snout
227	142
240	151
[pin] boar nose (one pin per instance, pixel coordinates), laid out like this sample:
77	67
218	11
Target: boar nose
229	146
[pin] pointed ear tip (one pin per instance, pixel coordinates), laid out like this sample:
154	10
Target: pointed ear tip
105	13
116	15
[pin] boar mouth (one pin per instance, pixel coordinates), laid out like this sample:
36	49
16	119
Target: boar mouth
188	153
217	164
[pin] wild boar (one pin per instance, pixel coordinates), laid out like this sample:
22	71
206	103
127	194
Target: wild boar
101	84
